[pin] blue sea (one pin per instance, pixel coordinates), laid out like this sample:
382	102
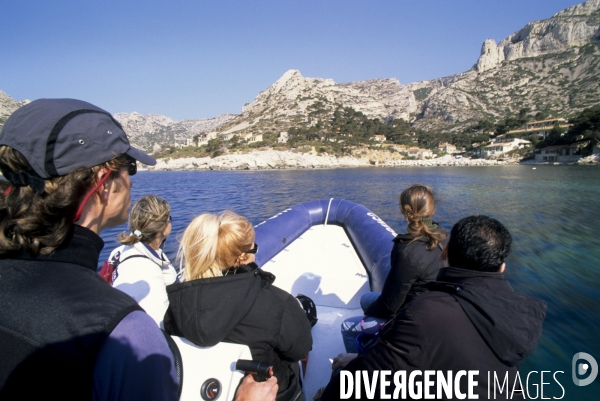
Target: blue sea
552	213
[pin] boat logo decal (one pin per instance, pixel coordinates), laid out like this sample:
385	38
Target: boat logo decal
271	218
381	223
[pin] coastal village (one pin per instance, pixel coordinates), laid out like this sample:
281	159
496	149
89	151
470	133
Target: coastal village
500	150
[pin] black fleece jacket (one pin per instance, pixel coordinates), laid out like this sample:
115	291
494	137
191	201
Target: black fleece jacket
55	316
468	321
244	308
412	266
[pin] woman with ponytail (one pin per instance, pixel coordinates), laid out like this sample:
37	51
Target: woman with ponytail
142	270
224	296
415	261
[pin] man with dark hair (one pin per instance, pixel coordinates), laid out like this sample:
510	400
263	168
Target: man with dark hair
479	243
470	320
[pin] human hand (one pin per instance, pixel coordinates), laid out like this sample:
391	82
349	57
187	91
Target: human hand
340	361
251	390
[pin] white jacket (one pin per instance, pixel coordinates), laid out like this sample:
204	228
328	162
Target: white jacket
144	277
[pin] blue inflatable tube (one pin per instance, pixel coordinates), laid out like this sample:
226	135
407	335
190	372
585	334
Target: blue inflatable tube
370	236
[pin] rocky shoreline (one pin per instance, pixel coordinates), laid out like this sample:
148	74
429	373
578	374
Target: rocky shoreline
272	159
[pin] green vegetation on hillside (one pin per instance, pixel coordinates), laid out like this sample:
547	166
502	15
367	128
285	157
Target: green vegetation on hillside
349	130
584	127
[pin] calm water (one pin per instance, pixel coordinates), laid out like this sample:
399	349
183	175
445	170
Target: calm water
552	213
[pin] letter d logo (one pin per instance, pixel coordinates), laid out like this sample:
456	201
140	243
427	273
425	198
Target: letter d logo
583	368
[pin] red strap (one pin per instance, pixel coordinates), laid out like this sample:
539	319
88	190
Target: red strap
7	191
87	197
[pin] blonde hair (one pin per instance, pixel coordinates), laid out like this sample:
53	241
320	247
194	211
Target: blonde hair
149	216
417	203
211	244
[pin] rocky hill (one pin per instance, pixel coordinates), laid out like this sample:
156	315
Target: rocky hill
8	105
144	131
147	130
551	65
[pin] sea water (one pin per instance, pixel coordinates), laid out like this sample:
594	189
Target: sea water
552	212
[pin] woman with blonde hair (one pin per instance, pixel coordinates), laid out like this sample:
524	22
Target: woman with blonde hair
415	261
142	270
224	296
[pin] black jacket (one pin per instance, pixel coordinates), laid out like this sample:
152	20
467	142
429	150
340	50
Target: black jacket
468	321
412	266
244	308
55	315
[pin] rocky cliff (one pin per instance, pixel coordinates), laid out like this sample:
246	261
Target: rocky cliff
572	27
550	65
144	131
294	96
8	105
147	130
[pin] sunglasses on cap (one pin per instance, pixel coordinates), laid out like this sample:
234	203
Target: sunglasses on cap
254	249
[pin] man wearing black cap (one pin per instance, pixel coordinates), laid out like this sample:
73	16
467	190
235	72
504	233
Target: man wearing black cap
64	331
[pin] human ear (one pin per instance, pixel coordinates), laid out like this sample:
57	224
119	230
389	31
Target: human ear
103	177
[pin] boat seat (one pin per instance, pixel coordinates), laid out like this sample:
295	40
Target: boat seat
323	265
210	369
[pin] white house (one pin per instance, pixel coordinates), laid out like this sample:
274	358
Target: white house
420	153
378	138
255	138
283	137
228	137
447	147
561	153
204	137
245	136
539	129
502	145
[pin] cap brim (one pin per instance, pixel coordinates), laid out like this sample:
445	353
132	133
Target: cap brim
141	156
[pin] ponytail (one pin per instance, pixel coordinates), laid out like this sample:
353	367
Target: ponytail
198	248
417	205
211	244
149	216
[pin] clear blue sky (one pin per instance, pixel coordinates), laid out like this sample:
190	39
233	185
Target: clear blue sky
198	58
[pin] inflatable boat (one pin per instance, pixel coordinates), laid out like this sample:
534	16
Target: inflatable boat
332	251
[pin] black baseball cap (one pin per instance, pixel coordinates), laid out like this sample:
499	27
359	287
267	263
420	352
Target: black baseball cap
57	135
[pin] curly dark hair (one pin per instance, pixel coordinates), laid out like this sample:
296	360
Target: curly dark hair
39	223
478	243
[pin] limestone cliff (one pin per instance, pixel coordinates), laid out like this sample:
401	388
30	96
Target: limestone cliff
294	97
8	105
550	65
147	130
572	27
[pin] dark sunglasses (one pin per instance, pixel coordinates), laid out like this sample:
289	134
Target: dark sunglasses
170	219
131	166
254	249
